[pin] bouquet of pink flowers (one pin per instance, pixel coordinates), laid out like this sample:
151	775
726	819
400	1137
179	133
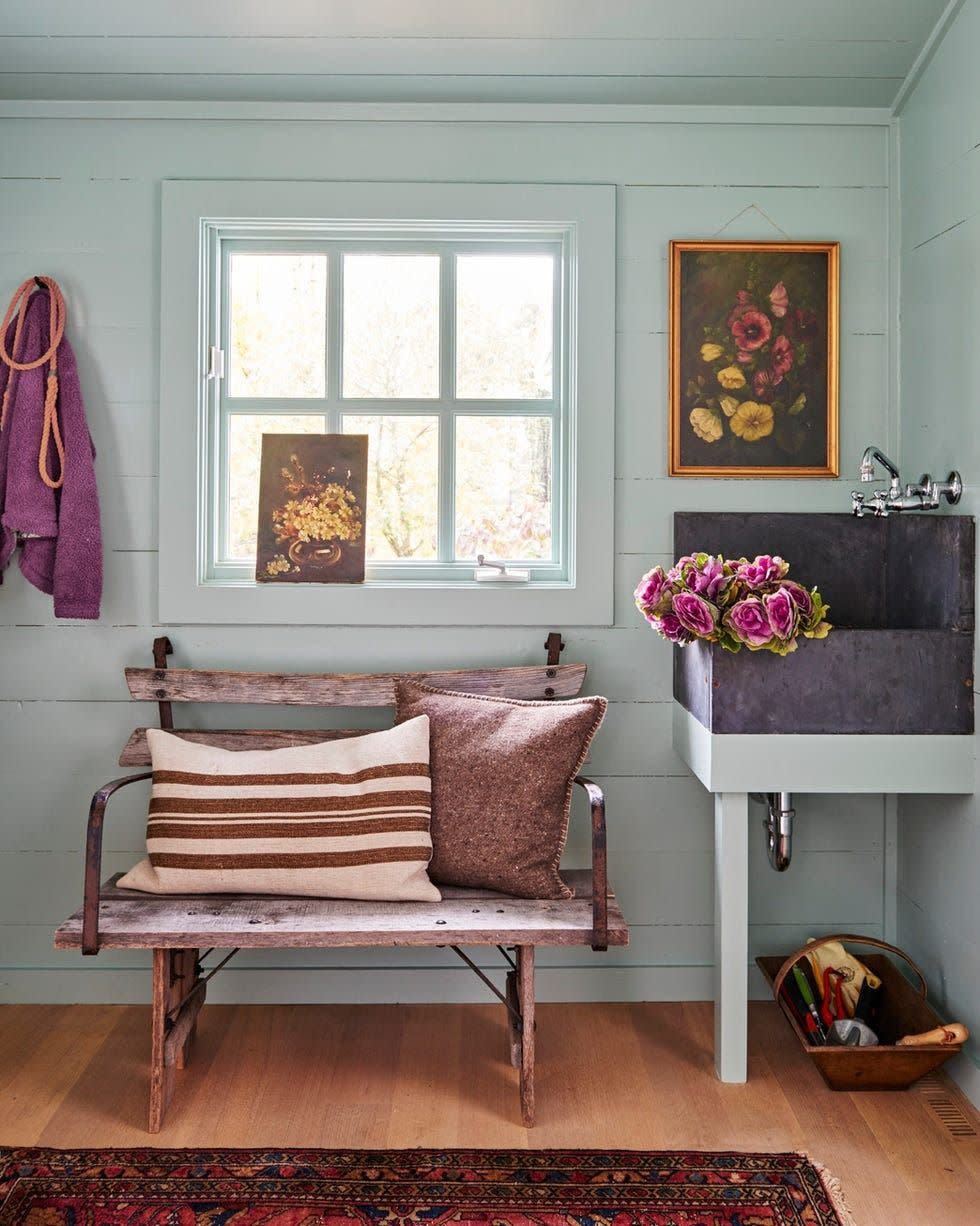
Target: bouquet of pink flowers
734	602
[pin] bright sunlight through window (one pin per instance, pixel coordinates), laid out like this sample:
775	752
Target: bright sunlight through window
447	355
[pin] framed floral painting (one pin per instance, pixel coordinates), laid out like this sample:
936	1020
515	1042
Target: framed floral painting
753	359
311	508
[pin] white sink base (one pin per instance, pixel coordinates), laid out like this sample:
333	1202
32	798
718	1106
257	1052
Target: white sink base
732	765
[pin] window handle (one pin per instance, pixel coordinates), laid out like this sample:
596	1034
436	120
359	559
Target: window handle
497	572
216	362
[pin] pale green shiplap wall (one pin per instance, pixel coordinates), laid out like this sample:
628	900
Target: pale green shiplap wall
80	199
939	840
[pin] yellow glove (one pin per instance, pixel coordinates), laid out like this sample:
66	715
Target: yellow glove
852	971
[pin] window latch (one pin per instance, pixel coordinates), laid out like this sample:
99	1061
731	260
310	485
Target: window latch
498	572
216	362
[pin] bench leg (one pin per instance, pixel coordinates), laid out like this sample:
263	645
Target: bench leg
513	1029
174	976
525	988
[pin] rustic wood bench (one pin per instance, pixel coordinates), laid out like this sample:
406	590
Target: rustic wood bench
178	928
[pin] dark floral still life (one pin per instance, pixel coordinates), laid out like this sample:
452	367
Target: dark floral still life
754	361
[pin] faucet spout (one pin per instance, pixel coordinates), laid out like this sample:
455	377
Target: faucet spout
874	455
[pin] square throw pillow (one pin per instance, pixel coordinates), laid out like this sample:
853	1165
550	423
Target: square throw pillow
502	772
342	819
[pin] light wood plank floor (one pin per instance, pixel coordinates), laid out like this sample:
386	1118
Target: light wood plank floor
618	1076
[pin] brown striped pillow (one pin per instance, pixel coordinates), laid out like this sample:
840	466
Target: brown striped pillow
343	819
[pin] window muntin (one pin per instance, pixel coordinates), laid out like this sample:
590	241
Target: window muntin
449	354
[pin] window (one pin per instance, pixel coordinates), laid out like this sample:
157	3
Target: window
453	340
448	353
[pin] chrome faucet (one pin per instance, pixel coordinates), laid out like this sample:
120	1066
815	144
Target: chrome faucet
923	495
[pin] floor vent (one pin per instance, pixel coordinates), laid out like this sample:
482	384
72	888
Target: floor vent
958	1121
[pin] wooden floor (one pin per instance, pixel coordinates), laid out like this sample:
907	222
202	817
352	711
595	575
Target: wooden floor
617	1076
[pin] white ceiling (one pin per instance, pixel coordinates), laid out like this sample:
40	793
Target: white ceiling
721	52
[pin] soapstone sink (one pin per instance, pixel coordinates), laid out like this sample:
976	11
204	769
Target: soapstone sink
900	657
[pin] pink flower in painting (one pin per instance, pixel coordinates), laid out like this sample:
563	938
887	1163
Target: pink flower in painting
751	330
781	358
779	300
762	385
802	325
743	303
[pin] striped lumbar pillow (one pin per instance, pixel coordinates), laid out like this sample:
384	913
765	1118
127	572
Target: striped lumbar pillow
343	819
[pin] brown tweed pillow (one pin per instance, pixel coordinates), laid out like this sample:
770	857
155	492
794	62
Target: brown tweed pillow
502	775
343	819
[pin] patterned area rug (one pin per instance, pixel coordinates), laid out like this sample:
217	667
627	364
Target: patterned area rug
197	1187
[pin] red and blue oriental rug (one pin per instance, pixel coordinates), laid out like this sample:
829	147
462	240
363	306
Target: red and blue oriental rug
197	1187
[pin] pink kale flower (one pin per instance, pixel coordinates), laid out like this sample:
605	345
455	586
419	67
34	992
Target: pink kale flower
749	622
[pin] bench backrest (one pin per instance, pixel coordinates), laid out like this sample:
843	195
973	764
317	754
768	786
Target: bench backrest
191	685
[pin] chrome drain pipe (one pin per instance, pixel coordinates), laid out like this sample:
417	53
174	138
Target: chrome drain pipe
778	825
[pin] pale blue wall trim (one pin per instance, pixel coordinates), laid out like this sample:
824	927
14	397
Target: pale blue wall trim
925	56
465	112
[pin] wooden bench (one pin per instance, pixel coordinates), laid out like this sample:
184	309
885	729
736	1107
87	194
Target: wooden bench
178	928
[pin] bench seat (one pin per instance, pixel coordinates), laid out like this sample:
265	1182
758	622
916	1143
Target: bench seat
131	920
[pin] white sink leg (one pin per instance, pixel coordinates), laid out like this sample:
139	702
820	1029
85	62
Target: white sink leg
731	934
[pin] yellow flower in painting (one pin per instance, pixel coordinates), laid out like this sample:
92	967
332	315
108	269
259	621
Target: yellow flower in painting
710	353
798	405
752	421
729	404
706	425
731	378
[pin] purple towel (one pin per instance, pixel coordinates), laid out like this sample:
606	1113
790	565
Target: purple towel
61	550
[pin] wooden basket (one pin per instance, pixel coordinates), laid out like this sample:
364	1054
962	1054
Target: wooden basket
904	1010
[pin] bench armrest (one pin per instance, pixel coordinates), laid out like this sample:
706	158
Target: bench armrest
93	859
600	904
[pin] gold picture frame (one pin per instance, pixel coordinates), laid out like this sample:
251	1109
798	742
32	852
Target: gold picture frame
754	359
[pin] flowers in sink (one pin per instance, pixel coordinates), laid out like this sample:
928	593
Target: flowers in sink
735	602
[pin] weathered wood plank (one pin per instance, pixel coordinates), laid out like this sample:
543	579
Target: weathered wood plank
346	689
136	751
146	921
525	991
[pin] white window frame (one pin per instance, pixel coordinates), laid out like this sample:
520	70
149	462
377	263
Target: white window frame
203	220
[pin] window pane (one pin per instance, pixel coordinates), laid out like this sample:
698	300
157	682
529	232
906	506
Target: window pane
245	432
504	321
391	326
278	325
503	487
403	484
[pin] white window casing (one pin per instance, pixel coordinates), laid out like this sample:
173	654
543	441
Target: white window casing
205	223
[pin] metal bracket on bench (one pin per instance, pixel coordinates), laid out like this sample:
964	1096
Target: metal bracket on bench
199	982
162	647
514	1013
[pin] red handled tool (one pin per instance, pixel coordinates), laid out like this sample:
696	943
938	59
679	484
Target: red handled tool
832	1006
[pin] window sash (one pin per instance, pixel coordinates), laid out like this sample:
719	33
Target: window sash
221	406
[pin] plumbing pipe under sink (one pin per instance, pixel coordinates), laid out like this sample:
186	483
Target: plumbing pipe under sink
778	825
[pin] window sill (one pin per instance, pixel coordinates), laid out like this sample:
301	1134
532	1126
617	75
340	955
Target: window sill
374	603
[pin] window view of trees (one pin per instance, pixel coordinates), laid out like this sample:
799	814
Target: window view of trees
392	338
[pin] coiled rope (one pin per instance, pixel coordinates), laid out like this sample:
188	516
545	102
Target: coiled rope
51	431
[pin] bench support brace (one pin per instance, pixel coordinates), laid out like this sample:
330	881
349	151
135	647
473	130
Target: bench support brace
178	994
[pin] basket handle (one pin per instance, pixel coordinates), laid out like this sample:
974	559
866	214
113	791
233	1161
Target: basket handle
851	938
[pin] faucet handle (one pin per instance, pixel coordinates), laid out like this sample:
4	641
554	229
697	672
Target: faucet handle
857	504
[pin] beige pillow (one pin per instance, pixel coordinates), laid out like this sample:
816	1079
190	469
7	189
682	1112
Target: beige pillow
342	819
502	772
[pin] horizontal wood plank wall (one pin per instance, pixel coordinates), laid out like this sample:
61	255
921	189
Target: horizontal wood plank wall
79	200
938	902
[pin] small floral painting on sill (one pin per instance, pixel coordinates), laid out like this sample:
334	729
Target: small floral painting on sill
311	508
753	333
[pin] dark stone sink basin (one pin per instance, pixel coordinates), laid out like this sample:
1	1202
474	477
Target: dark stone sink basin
900	656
